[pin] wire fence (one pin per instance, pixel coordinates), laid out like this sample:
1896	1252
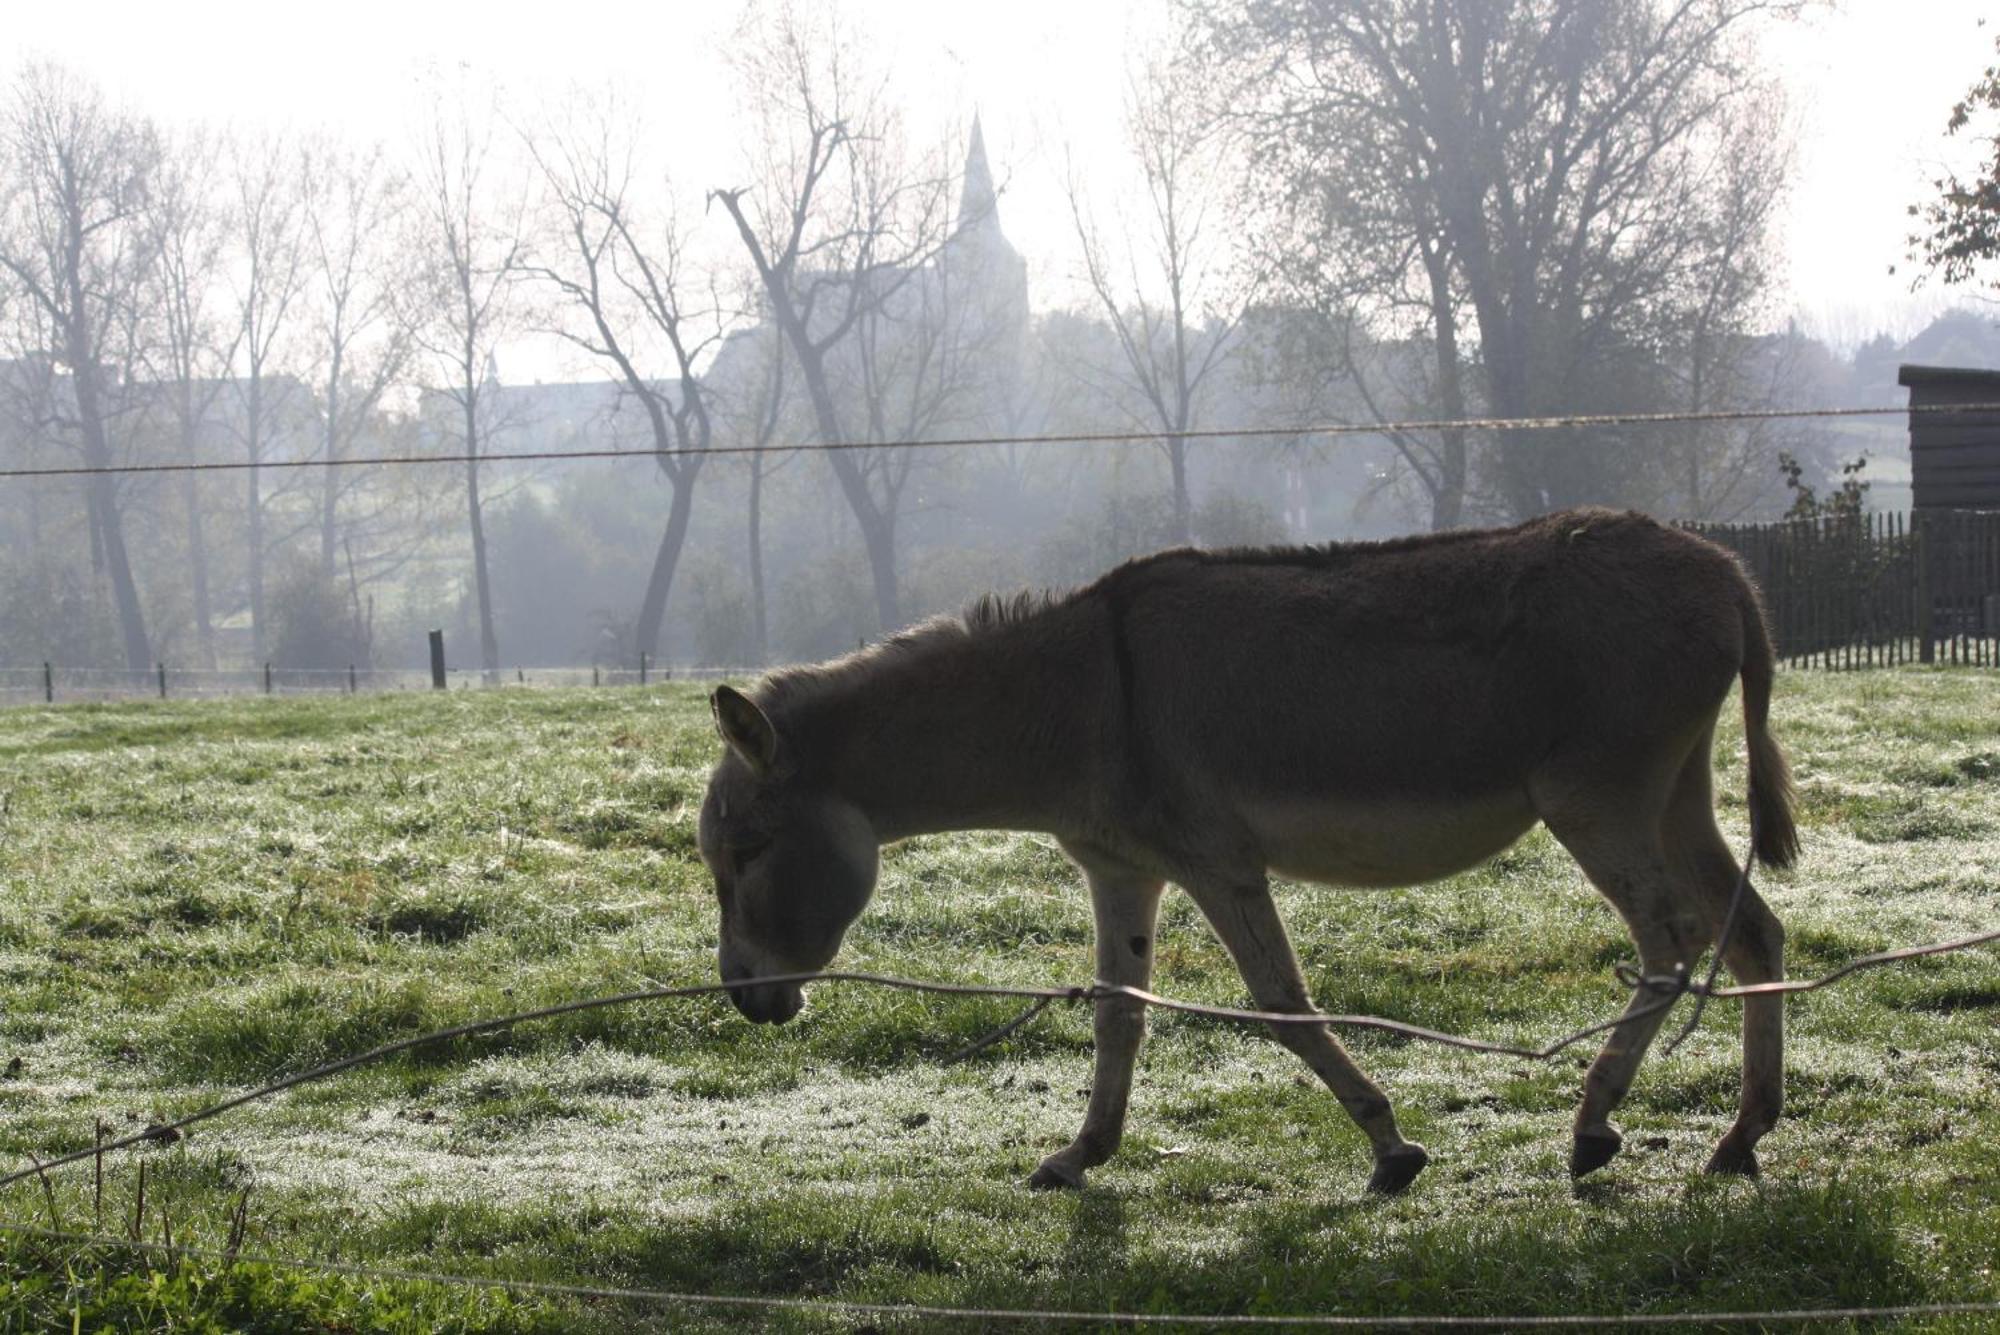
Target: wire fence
1812	599
835	1307
1669	990
1292	431
52	683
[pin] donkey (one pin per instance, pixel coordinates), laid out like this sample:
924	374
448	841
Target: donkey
1367	714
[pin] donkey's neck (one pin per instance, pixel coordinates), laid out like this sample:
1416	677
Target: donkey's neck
957	731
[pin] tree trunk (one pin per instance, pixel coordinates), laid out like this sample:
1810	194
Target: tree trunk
760	649
878	527
124	591
1448	500
879	534
253	443
1183	517
197	537
330	488
102	499
653	610
489	646
481	584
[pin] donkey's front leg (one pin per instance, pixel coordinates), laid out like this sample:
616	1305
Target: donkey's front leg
1248	923
1126	905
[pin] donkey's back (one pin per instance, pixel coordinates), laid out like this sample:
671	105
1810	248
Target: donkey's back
1409	694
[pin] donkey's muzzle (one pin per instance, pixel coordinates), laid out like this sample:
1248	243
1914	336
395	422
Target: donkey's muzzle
764	1003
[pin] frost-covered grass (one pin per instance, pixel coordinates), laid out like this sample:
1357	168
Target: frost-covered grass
198	897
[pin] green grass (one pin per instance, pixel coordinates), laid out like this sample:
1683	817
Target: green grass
199	897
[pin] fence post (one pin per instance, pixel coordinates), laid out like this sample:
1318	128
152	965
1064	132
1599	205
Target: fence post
1921	549
642	667
352	688
593	676
48	682
437	660
162	669
267	678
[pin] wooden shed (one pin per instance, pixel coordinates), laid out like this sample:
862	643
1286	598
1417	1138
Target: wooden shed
1954	456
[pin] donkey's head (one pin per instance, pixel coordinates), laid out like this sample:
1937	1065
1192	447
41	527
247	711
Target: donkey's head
793	863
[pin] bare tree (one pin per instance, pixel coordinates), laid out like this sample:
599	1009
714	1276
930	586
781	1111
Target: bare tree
355	207
196	347
268	222
623	277
74	240
842	230
1168	282
753	408
473	229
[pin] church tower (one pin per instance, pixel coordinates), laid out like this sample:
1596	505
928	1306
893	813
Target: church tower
991	278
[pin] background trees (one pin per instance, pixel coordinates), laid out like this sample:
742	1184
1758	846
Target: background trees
1170	279
840	226
618	270
267	218
1568	199
1361	211
195	344
471	230
74	243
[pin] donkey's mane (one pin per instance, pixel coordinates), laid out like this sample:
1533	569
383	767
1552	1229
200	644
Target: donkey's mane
988	614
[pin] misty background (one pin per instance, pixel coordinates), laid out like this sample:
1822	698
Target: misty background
1281	214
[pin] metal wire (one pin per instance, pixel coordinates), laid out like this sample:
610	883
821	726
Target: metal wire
1670	990
1320	429
990	1315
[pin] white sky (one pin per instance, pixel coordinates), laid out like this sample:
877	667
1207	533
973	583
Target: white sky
1870	84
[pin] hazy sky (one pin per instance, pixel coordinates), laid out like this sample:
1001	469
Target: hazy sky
1870	84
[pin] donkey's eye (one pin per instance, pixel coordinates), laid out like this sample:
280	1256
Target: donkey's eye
745	854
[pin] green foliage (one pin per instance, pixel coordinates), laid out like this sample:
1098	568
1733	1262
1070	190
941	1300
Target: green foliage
47	1286
1960	225
568	569
203	895
315	622
47	615
1849	502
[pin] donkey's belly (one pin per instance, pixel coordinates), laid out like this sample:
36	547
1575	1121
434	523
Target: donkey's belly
1392	842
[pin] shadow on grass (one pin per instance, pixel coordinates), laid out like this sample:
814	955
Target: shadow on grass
1717	1248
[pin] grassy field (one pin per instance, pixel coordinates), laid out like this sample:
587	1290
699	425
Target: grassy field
197	897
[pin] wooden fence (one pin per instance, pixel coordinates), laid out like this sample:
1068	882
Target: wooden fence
1870	590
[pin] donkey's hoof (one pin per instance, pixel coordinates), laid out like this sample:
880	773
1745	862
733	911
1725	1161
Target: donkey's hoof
1398	1168
1734	1158
1593	1150
1054	1175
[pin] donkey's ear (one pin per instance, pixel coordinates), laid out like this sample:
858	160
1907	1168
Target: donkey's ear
745	727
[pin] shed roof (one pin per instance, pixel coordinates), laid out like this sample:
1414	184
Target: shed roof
1954	376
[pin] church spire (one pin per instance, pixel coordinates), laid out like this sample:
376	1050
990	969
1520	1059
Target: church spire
979	204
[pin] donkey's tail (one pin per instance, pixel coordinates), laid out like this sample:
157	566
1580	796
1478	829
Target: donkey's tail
1774	834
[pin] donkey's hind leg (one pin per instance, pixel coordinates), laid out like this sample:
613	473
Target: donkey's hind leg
1248	923
1126	907
1755	954
1618	845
